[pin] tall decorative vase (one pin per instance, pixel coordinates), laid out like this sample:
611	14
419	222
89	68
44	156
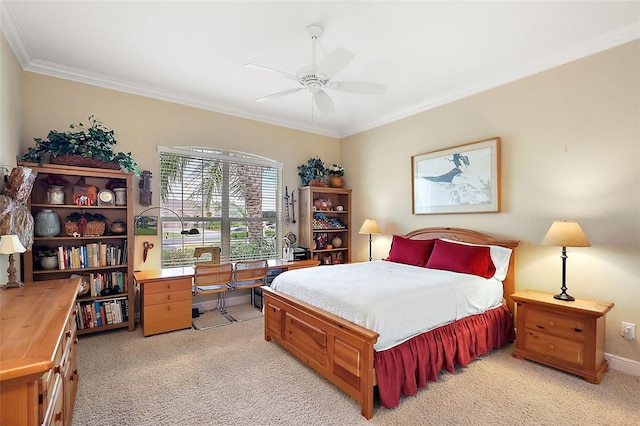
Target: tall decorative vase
336	181
47	224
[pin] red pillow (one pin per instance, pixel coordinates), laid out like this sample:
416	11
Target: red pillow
454	257
410	252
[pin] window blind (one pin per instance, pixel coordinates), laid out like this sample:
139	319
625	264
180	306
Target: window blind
232	198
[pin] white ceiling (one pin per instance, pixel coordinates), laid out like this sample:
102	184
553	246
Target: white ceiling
427	52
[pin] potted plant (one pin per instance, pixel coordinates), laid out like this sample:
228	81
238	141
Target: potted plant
55	191
335	173
87	146
312	173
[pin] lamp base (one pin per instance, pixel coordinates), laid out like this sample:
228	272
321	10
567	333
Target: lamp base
13	284
564	296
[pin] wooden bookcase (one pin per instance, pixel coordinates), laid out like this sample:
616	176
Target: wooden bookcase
322	221
119	269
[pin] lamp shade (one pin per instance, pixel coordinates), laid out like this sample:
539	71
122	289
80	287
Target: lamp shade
565	233
369	226
10	244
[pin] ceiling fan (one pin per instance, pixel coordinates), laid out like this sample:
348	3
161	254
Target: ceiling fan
315	78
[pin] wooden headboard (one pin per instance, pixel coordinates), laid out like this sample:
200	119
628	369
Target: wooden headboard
474	237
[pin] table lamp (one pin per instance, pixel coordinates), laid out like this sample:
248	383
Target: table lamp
10	244
369	226
565	233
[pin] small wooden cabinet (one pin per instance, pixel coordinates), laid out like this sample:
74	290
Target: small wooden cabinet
165	299
569	336
325	223
38	368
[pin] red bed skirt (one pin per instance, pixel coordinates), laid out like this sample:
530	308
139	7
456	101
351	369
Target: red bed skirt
405	368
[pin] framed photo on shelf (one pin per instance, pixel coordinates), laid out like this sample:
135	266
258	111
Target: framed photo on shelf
147	225
461	179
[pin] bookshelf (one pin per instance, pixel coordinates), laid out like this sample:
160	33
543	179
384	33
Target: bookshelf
102	258
325	213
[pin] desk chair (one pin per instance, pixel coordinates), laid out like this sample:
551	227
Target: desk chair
247	275
203	251
212	278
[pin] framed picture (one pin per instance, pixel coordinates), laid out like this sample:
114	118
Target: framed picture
147	225
462	179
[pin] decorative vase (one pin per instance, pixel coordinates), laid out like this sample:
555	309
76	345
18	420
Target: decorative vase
50	262
118	227
55	194
336	242
121	196
47	224
336	181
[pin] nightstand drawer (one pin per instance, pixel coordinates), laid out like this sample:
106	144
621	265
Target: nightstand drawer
555	324
554	347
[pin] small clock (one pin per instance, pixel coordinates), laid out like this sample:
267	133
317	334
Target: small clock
106	198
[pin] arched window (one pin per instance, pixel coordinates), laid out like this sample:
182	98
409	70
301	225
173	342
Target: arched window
232	198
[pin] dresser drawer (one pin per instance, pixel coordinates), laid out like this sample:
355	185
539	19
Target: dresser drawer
167	285
167	297
565	326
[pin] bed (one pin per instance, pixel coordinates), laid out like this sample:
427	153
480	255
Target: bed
357	359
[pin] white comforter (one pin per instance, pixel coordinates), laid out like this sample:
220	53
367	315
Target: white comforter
398	301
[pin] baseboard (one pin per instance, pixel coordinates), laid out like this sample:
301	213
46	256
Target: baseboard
625	365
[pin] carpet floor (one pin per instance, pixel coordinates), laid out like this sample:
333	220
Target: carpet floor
231	376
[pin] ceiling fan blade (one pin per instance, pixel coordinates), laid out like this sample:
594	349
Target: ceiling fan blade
335	62
263	68
278	94
364	87
323	101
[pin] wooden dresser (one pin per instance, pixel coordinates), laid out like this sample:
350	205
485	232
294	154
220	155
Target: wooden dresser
38	369
566	335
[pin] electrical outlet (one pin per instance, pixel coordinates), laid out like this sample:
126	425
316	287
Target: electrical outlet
628	330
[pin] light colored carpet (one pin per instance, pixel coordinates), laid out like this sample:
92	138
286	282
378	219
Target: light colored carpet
232	376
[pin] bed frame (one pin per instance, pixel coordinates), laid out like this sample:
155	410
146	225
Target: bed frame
340	350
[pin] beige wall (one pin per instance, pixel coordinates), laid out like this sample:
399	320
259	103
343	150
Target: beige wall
570	150
142	124
10	123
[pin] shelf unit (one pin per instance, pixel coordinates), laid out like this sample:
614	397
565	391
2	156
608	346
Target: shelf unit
329	223
124	242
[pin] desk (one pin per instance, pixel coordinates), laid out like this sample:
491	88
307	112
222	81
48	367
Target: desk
165	295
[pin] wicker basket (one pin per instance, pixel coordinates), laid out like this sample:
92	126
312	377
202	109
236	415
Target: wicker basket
79	160
95	228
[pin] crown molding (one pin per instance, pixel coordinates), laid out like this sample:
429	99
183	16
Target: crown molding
589	47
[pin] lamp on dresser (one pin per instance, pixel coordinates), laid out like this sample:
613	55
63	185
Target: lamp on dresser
370	226
10	244
565	233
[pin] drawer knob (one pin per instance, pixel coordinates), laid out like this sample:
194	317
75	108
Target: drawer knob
551	346
552	323
68	333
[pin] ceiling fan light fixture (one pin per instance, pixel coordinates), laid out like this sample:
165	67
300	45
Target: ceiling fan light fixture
315	77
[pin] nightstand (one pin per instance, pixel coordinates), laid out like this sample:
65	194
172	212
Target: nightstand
569	336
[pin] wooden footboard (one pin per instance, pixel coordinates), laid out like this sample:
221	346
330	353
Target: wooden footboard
338	349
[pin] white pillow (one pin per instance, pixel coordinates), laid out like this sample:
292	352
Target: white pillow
499	255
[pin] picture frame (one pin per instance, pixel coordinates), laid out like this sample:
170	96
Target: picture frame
460	179
147	225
